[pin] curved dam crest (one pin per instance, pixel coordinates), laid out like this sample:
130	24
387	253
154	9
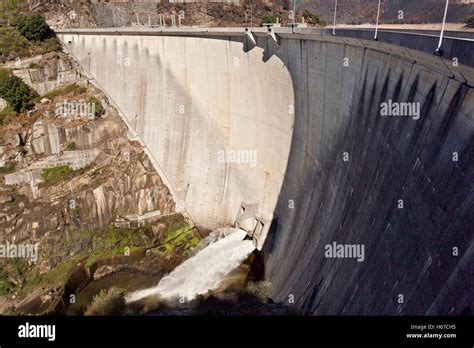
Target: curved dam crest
287	125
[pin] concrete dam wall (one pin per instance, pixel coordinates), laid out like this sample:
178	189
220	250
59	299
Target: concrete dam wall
295	126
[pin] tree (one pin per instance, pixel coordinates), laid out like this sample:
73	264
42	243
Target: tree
99	109
32	26
311	17
17	93
271	18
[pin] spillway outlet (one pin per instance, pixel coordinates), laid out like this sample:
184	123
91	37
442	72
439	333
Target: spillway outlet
257	225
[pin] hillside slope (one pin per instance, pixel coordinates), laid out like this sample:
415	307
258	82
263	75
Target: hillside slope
361	11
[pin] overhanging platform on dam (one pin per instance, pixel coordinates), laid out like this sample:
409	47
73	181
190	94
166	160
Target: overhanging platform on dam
258	225
297	128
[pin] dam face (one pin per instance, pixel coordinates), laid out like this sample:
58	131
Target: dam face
295	126
210	113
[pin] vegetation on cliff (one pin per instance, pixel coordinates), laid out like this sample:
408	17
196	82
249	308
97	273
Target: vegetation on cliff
24	35
176	236
107	302
17	93
271	18
313	18
32	26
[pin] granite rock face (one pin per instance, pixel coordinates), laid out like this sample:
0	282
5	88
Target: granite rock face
46	72
65	180
111	177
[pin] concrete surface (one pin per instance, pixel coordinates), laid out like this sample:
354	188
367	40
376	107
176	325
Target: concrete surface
226	122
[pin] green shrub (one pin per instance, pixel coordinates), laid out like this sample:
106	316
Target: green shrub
23	150
11	311
5	285
17	93
55	174
313	18
75	89
107	302
271	18
183	236
9	168
12	45
32	26
8	8
70	145
51	44
99	109
7	112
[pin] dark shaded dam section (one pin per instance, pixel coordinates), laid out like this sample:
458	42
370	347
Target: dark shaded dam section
372	209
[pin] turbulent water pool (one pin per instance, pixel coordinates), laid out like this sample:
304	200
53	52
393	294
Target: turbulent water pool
128	279
214	264
225	249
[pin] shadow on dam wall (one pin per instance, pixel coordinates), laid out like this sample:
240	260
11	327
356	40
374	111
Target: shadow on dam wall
408	251
399	187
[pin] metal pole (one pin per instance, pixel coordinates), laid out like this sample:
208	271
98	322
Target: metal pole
442	28
377	24
251	16
334	25
294	11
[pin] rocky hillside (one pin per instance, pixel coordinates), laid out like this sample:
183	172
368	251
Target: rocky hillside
77	193
62	14
363	11
75	186
65	14
84	216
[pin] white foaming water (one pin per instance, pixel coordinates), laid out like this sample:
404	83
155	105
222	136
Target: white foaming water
224	251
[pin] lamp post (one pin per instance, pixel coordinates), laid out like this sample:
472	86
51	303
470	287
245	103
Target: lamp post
294	12
438	49
334	25
377	24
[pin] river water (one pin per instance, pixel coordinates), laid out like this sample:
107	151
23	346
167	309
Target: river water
224	250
